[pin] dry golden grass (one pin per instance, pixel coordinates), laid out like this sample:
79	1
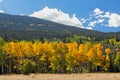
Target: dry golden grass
84	76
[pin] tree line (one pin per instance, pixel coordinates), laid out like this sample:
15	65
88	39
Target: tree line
58	57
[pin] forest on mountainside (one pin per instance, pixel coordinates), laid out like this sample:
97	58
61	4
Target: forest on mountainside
16	28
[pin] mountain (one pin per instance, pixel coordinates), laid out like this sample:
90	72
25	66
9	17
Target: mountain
15	27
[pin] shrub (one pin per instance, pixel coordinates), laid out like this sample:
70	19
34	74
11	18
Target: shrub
27	67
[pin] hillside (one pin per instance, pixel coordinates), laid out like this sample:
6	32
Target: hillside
50	47
14	27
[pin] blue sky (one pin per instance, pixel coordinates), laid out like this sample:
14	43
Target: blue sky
101	15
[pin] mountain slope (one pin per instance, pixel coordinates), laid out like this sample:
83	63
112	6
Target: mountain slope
27	28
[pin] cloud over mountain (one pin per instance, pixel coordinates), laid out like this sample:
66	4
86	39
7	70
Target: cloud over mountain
93	23
108	19
1	11
97	17
114	20
56	15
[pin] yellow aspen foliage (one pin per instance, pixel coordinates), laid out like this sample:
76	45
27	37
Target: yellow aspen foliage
98	57
73	49
59	56
37	48
107	58
29	49
117	60
7	48
107	50
91	55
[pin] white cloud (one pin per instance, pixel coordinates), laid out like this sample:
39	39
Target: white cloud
114	20
111	19
1	11
97	11
21	14
56	15
89	28
107	15
83	20
98	16
94	23
1	0
100	20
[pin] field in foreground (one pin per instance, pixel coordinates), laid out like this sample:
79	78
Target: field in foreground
84	76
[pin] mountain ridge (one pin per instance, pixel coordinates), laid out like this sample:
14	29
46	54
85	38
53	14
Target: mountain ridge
25	28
